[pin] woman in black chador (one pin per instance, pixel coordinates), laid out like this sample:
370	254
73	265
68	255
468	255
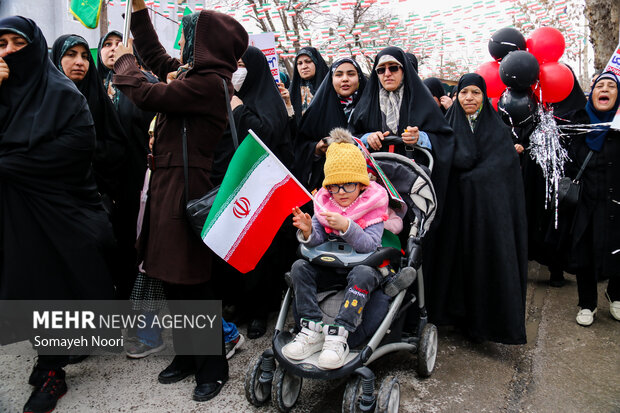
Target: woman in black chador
54	229
256	105
333	106
135	124
596	231
396	102
309	71
479	279
71	55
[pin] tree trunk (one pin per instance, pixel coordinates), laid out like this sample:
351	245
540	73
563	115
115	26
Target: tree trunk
603	17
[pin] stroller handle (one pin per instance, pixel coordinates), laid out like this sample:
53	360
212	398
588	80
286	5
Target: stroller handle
409	149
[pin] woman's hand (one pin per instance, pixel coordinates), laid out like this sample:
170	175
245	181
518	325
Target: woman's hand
138	5
302	222
411	135
519	148
4	70
171	76
446	102
336	221
122	50
235	101
375	138
321	148
284	93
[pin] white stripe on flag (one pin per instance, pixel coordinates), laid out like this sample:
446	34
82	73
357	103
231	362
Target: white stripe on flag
223	234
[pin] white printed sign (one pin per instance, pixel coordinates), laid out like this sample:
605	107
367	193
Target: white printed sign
614	66
267	44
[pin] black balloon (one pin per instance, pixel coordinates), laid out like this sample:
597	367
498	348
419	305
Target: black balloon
516	105
504	41
519	70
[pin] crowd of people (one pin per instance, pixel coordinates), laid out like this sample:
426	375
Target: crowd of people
91	177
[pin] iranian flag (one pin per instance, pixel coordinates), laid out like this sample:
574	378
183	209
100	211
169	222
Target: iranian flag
255	197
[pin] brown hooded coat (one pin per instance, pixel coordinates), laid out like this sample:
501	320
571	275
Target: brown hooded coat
171	251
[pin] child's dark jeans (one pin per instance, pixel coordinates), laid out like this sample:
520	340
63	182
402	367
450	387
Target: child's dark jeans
361	281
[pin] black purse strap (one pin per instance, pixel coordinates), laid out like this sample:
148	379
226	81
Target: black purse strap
583	167
233	132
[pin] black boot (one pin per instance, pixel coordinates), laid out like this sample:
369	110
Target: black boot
556	279
44	397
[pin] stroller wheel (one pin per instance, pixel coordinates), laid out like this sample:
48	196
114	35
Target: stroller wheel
258	379
389	395
427	352
286	389
352	397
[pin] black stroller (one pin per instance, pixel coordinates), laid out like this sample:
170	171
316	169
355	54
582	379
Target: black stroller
271	375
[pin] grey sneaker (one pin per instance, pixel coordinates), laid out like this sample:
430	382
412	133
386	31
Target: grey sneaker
234	345
399	281
136	349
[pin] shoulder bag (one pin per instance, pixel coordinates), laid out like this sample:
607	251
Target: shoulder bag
197	210
569	190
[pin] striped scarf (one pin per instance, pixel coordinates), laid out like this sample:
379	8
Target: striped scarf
389	102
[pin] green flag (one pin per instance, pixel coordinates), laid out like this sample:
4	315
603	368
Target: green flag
185	13
86	11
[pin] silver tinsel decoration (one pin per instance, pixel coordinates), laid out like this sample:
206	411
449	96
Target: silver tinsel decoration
546	149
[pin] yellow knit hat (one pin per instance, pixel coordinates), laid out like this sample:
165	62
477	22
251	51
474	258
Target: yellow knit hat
344	162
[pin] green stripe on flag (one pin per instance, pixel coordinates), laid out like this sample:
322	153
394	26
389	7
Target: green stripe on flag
246	159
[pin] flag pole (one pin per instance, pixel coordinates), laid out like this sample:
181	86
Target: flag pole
126	30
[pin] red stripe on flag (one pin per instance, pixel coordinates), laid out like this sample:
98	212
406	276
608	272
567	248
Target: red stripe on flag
262	228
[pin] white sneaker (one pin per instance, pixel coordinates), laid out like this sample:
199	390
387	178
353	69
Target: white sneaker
585	317
307	342
614	307
335	348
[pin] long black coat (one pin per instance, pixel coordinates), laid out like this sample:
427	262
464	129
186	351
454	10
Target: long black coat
598	209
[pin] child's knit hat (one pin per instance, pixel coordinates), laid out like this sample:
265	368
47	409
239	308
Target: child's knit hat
344	162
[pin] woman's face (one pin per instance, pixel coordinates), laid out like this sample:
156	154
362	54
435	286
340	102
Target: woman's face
345	80
75	62
10	43
604	95
390	75
470	98
305	67
107	50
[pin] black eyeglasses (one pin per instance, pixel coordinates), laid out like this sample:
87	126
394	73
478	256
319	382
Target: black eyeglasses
393	69
347	188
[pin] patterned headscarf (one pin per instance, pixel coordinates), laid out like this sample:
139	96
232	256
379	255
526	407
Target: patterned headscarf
69	43
189	31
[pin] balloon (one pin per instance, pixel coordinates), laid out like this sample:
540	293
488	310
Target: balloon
546	44
556	82
490	72
494	102
519	70
516	105
505	41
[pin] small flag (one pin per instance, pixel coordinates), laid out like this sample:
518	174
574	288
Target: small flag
255	197
176	42
86	11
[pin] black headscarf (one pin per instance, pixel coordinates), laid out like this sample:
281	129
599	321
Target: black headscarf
110	149
482	286
324	114
413	60
313	84
436	88
418	108
48	198
263	111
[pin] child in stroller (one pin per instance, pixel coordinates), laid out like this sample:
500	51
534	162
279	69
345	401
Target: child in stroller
355	209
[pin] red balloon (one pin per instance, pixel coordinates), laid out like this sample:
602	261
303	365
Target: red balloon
494	102
546	44
490	72
556	82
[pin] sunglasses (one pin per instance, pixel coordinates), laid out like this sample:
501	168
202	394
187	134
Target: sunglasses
392	68
347	188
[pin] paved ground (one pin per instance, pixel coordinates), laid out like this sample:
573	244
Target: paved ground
563	368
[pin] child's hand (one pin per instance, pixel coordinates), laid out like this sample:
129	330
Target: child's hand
302	222
336	221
